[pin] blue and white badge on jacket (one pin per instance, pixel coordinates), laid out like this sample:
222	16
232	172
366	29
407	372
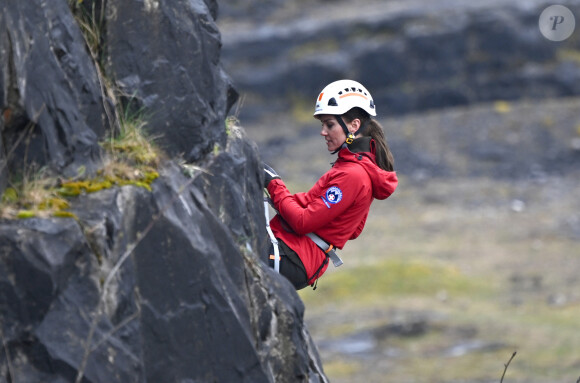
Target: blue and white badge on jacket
333	196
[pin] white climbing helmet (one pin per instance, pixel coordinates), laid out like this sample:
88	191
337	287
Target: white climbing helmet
341	96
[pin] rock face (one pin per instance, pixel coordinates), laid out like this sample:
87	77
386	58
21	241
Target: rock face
166	289
142	286
412	55
54	120
176	73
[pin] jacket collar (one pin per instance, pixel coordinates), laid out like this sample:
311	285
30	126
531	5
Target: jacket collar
360	145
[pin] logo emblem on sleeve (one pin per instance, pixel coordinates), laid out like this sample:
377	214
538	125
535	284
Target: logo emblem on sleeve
333	195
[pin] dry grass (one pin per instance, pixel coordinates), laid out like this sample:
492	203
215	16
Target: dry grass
129	159
32	194
133	146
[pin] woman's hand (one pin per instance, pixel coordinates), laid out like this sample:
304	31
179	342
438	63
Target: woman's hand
269	175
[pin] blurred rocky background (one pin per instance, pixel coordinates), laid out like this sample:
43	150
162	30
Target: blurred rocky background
475	255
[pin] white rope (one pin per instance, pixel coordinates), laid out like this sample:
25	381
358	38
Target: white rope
272	238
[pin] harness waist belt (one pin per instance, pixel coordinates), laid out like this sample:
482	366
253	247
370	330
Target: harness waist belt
327	248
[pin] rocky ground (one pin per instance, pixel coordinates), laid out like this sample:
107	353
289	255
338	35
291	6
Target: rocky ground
474	257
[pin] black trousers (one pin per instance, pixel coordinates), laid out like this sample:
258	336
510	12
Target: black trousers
290	265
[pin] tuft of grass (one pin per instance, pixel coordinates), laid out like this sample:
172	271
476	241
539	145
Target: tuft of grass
91	21
132	145
30	195
45	197
132	158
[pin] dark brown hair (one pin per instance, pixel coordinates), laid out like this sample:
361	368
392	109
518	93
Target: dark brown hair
372	128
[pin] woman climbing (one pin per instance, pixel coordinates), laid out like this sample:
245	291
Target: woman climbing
308	226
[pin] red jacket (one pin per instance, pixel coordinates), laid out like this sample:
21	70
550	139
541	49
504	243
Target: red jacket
336	208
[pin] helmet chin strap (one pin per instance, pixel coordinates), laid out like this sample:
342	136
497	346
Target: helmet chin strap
349	135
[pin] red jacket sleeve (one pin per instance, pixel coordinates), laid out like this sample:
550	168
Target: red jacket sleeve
308	212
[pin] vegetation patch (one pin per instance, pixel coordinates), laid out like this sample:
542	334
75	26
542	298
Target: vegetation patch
46	196
130	157
75	188
32	194
342	368
392	277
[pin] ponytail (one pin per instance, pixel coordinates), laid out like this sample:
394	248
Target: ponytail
383	154
372	128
